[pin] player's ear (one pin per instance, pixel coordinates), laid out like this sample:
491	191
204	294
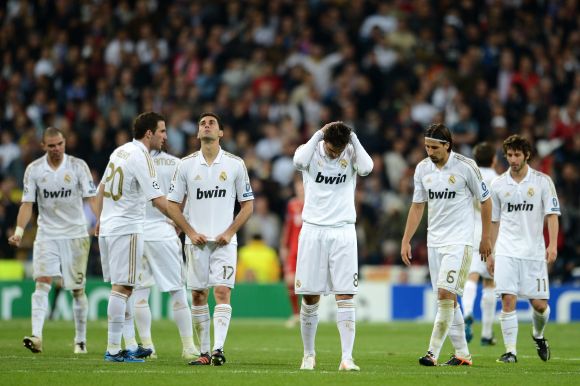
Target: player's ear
220	133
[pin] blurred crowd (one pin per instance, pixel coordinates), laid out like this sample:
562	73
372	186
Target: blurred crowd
276	70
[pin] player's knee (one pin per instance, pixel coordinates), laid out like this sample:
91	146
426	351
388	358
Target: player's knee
44	279
539	306
222	294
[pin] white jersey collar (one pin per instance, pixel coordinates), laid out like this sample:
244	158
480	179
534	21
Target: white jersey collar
511	181
217	158
49	168
140	145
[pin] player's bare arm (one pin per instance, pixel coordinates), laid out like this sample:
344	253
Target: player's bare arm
246	209
173	211
552	249
99	207
24	215
485	243
413	221
491	259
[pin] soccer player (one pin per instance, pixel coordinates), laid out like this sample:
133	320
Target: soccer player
484	155
58	183
523	199
448	183
289	245
130	180
162	265
327	248
212	179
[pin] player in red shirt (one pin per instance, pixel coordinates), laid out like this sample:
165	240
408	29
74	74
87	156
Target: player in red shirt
289	245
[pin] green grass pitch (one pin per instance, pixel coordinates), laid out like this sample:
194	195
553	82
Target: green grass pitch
266	353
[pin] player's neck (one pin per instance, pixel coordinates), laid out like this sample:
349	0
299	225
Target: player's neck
210	150
442	163
54	164
518	176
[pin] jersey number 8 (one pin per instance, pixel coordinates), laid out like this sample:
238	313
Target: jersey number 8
114	182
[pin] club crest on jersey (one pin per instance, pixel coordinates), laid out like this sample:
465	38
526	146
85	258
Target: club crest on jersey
507	194
452	179
531	192
298	284
343	163
197	178
223	176
67	178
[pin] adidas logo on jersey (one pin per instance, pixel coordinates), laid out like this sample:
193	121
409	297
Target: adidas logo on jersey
444	195
520	207
58	194
321	179
214	193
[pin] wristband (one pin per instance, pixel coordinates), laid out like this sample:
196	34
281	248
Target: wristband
19	231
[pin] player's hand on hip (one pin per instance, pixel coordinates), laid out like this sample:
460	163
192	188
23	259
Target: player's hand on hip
223	239
551	254
406	253
14	240
485	249
197	239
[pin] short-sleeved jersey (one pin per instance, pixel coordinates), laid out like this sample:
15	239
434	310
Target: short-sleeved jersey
449	193
157	227
520	209
488	175
211	191
130	180
59	194
329	186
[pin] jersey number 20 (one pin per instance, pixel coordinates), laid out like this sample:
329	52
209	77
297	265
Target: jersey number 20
114	182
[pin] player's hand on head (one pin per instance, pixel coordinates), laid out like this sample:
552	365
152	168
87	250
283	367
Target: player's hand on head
406	253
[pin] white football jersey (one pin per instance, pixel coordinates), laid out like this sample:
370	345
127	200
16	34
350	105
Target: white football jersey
520	209
449	193
59	194
211	191
157	227
329	184
488	175
130	180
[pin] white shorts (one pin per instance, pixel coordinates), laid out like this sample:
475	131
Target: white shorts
479	267
327	261
527	279
448	267
62	258
162	264
120	258
210	265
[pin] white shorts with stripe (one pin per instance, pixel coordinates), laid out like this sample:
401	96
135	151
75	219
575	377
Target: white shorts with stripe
120	258
162	264
210	265
448	267
527	279
479	267
62	258
327	260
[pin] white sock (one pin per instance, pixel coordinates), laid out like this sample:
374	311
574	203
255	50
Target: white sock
539	322
80	311
142	315
129	327
182	318
509	330
457	334
222	313
39	308
200	318
468	298
116	316
488	302
345	321
443	320
308	326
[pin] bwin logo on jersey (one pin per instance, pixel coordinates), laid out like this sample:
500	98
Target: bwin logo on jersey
214	193
444	195
322	179
520	207
62	193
